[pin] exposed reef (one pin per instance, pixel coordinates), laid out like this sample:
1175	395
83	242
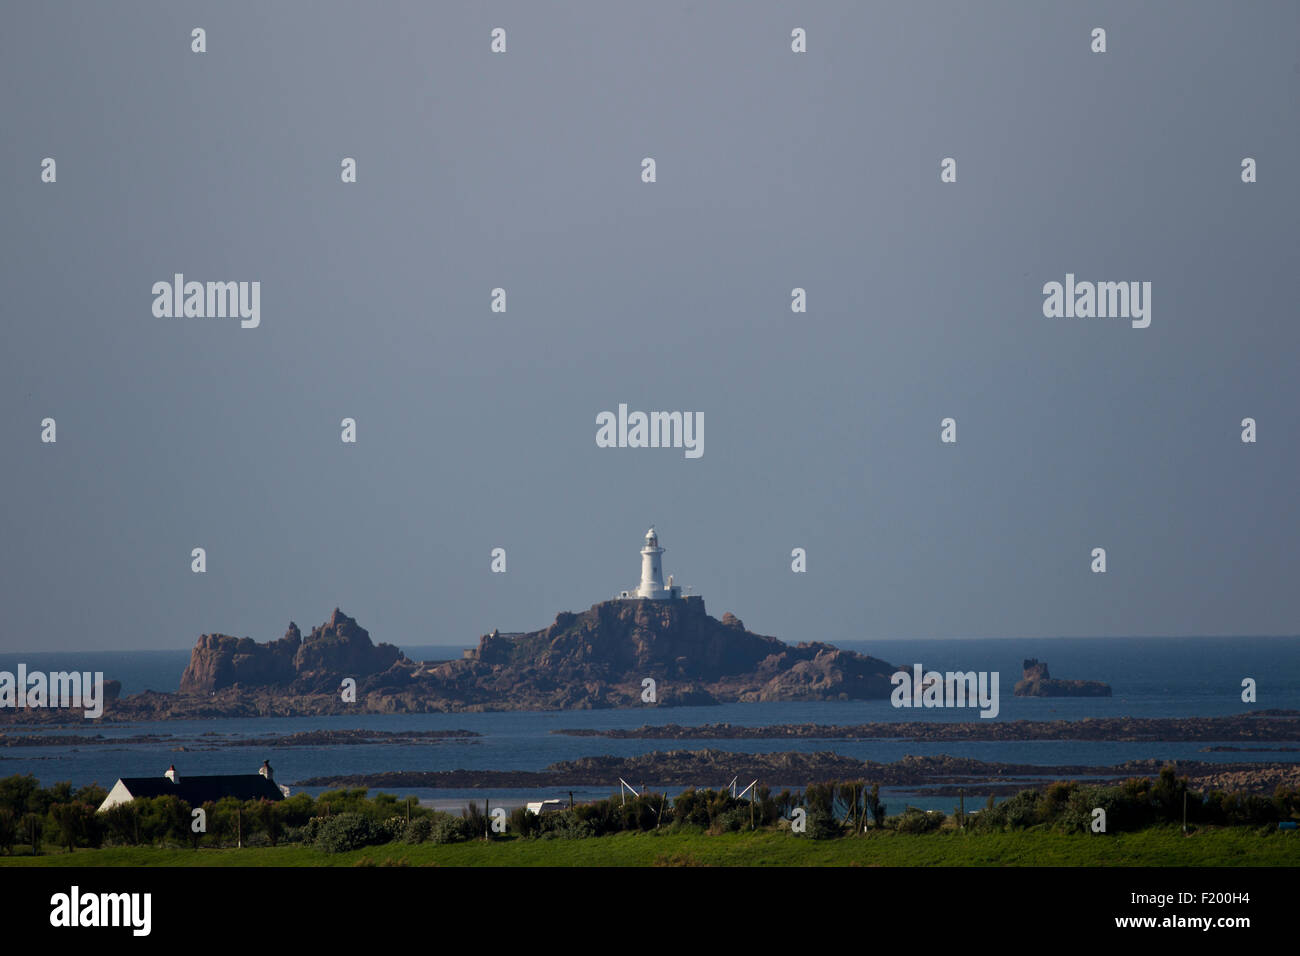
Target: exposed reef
1270	725
714	768
1036	681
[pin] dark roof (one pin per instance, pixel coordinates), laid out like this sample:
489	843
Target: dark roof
199	790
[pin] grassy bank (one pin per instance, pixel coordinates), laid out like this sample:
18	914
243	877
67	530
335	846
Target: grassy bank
1158	846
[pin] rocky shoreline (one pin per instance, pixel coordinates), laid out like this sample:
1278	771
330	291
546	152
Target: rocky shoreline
714	768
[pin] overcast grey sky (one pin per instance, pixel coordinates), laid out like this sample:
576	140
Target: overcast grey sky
523	170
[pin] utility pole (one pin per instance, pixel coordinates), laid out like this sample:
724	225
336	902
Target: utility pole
1184	813
962	798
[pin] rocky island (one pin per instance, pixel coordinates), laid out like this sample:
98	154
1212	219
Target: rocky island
598	658
1036	681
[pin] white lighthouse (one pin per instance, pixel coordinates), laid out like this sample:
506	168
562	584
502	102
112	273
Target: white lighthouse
652	584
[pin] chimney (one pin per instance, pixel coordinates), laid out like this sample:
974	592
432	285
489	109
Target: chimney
265	770
171	774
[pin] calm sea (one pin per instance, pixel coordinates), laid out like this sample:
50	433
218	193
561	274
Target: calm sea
1150	677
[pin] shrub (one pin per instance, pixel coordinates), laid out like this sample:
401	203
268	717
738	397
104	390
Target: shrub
393	829
565	826
419	830
1018	812
913	820
311	829
697	809
642	813
524	822
266	816
348	831
296	810
1076	817
823	826
451	829
735	819
691	809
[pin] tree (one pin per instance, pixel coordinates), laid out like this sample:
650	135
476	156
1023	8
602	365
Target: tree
477	819
92	794
16	791
298	809
44	798
873	808
269	819
122	822
224	820
8	830
820	797
166	817
32	830
343	801
76	824
1168	794
851	794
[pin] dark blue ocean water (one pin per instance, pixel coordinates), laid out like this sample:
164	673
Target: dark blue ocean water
1150	677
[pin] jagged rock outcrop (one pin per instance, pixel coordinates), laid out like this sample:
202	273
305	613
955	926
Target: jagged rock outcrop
597	658
1036	681
828	674
315	664
601	656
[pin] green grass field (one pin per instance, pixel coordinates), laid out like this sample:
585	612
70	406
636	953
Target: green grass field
1153	847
